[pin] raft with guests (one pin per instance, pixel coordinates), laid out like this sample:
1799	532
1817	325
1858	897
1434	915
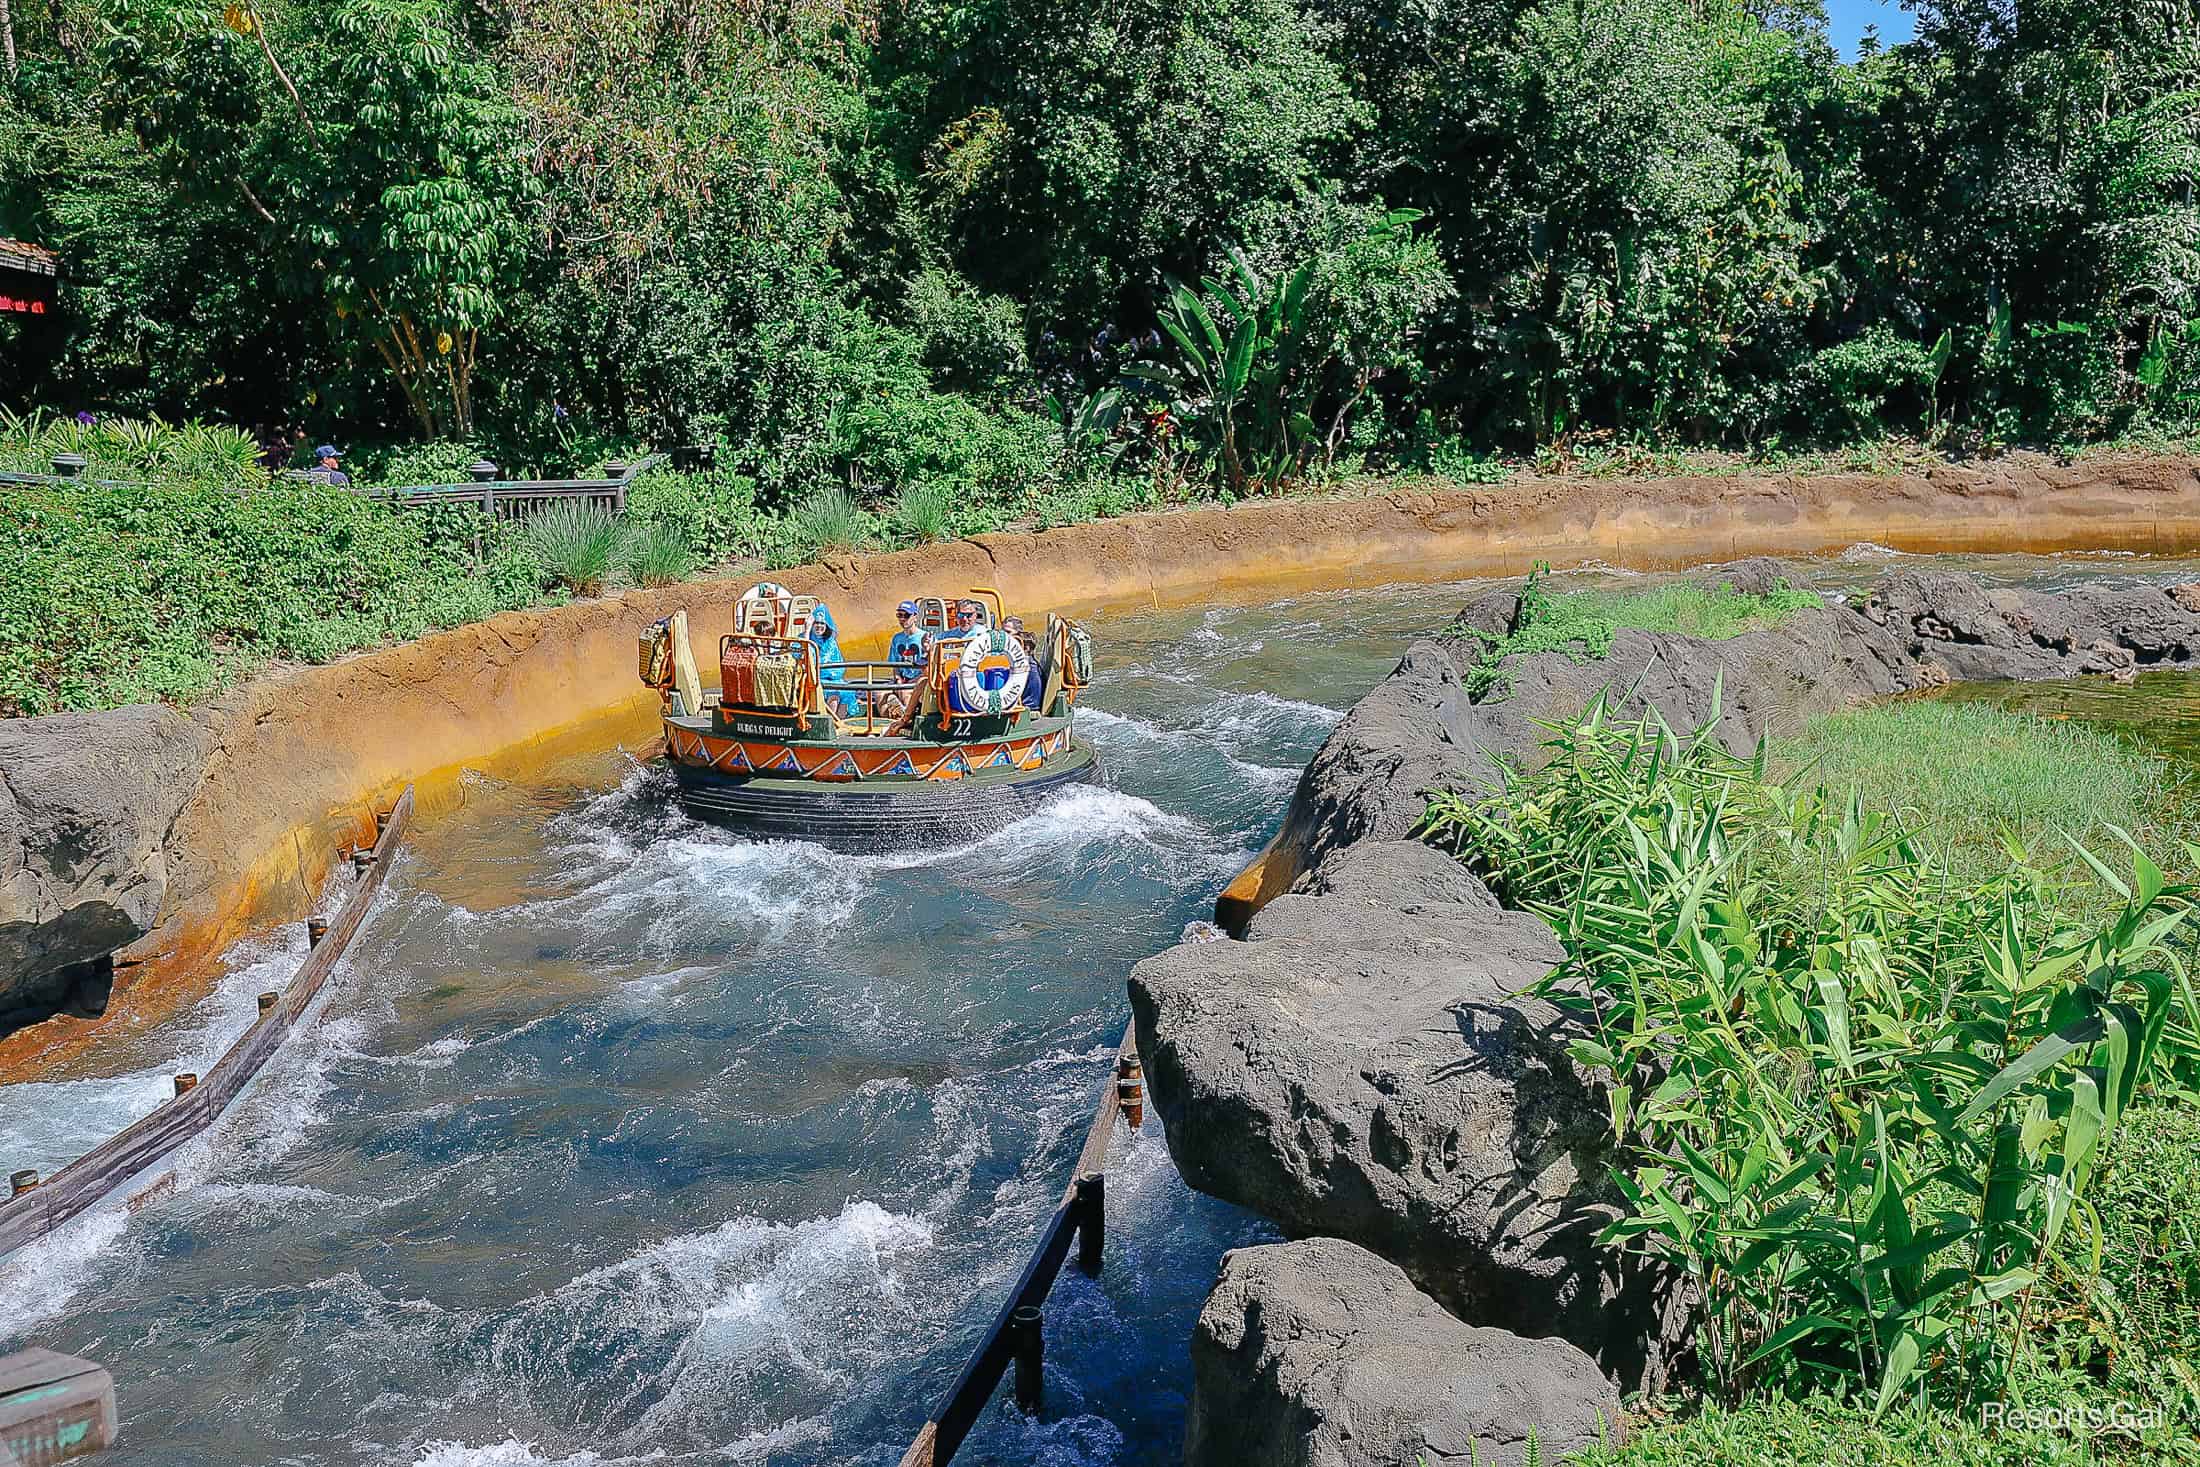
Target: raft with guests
965	727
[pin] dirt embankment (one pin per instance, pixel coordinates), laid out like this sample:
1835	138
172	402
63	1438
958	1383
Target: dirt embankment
303	756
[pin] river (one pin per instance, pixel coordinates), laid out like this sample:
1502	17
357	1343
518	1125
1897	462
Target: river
620	1140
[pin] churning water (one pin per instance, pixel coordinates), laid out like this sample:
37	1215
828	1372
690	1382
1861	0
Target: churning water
620	1140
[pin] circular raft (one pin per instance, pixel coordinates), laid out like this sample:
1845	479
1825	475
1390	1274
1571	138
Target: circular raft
881	816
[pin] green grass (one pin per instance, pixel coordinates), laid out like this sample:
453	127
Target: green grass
655	553
1823	1433
1580	623
1971	772
575	544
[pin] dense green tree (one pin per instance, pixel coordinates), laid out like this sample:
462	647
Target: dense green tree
867	245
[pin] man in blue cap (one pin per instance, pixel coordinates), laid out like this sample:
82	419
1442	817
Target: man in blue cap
325	469
906	655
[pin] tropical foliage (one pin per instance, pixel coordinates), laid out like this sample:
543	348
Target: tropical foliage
1021	248
1863	1099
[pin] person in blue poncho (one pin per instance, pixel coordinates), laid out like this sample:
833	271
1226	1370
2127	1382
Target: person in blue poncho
827	638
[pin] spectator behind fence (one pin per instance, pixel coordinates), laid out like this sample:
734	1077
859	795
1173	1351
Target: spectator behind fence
326	469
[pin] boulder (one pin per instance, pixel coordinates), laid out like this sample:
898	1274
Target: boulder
1419	731
1320	1354
1362	1067
86	804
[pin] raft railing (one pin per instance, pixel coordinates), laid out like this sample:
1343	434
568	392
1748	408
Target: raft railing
1015	1336
35	1208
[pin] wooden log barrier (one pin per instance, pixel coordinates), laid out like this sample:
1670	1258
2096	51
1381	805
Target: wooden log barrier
34	1211
1015	1334
53	1408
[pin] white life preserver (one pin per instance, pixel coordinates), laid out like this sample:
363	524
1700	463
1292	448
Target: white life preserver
990	675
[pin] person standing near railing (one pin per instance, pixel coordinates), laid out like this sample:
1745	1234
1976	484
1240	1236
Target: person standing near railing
326	468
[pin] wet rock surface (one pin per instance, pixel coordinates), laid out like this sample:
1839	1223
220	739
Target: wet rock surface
86	805
1361	1066
1320	1354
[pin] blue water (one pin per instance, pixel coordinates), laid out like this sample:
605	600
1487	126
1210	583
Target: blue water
622	1140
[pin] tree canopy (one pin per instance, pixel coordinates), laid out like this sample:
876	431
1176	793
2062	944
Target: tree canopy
869	242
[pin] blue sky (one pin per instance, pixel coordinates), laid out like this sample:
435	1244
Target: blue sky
1846	20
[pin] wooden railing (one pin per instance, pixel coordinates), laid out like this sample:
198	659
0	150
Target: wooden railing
1015	1336
35	1208
517	499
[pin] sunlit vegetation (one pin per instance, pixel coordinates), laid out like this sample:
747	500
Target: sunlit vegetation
1907	1104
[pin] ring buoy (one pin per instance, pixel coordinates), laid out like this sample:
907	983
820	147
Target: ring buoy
990	675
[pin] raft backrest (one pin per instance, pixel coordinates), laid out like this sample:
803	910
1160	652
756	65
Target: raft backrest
1053	663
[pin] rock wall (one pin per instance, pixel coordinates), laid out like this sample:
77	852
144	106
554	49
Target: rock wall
88	804
1364	1065
1320	1354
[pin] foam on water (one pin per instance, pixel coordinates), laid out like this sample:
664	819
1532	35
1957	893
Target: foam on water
39	1280
48	1124
511	1452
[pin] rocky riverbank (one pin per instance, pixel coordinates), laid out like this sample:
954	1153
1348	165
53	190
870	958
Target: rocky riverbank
1360	1069
277	776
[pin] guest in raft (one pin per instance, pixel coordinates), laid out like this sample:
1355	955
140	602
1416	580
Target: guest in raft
905	654
1034	685
830	662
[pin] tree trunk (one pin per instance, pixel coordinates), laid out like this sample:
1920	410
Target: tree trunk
7	37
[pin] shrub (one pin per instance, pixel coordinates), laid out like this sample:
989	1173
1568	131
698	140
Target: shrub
1861	1101
826	520
110	594
574	545
1867	385
413	464
925	512
715	514
133	448
655	553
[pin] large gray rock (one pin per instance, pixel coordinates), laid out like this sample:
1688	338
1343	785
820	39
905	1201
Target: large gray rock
1362	1067
86	804
1419	731
1320	1354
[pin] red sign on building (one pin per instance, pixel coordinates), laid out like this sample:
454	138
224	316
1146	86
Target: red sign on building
28	276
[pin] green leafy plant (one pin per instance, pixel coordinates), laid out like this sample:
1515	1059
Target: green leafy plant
1861	1102
925	513
824	521
655	553
1235	375
1088	430
574	544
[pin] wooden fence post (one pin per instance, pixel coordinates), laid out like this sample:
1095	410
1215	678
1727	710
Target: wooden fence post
1029	1348
1092	1225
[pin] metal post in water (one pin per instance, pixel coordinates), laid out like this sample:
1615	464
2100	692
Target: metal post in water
22	1182
185	1084
267	1001
1092	1221
1029	1349
381	824
1130	1089
362	858
316	929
